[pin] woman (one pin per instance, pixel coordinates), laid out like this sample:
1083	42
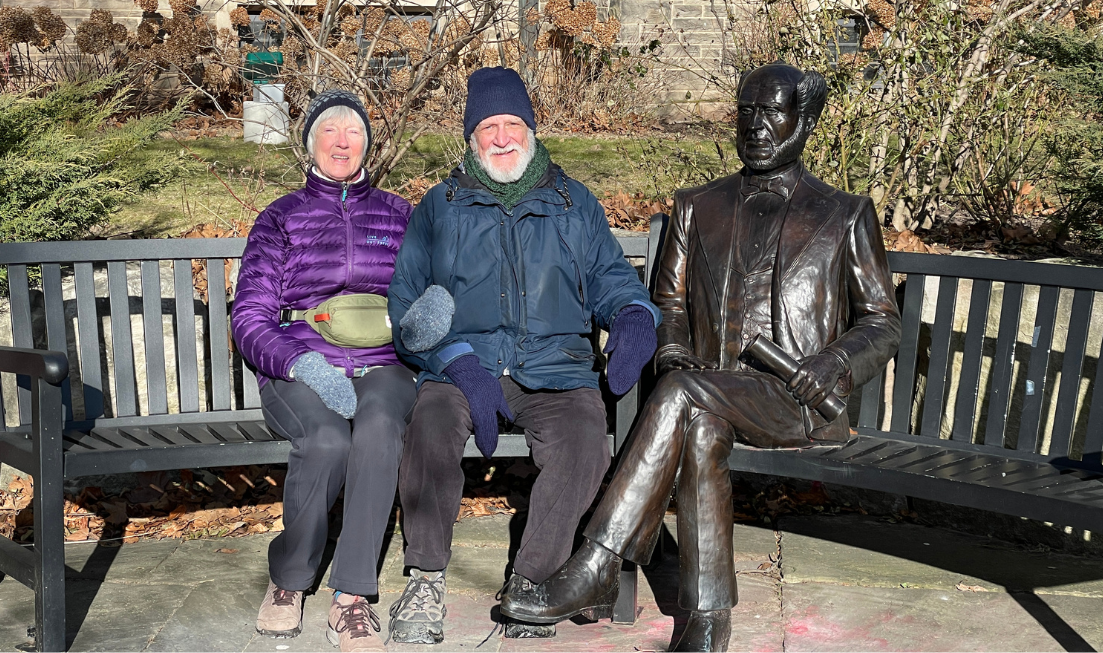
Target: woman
342	408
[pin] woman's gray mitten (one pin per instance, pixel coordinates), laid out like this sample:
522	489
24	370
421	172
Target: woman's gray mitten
334	388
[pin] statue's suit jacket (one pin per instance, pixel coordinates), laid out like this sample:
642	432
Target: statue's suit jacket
831	285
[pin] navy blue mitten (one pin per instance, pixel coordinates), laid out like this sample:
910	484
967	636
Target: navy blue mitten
484	396
631	344
333	387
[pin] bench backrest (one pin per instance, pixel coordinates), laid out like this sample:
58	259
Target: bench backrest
994	354
144	344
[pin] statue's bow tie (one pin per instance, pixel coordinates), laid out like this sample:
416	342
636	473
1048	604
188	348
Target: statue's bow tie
765	185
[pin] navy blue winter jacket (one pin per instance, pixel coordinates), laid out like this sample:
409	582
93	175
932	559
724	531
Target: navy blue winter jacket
528	283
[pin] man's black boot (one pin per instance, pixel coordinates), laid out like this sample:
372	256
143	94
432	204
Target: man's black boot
587	584
707	630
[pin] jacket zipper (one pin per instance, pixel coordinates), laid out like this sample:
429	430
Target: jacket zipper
348	251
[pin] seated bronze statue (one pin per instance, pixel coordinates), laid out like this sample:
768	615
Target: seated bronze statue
772	252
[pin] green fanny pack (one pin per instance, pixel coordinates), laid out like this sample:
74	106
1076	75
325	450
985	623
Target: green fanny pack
353	321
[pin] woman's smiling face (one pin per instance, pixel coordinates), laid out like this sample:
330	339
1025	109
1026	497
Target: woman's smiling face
339	149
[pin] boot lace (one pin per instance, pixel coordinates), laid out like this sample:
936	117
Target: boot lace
419	592
283	598
358	619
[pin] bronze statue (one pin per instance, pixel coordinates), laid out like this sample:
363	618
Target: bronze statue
771	251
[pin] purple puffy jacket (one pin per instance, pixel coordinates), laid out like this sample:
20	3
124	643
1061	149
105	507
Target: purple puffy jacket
305	248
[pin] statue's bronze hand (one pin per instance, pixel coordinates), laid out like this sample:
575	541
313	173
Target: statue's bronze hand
816	376
683	361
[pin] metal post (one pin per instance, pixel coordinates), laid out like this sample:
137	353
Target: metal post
49	517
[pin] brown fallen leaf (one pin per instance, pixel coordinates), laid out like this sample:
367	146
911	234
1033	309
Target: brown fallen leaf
116	512
225	550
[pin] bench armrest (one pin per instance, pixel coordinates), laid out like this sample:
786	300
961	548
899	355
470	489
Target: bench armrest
51	366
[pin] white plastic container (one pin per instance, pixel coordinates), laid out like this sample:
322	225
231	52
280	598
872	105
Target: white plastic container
266	122
268	93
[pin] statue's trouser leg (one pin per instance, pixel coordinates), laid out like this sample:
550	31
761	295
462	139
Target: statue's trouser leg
707	573
758	410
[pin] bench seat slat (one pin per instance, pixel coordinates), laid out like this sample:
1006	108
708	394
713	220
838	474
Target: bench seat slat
88	332
114	437
187	360
911	314
858	448
142	435
1037	368
257	431
911	457
122	348
200	432
1001	469
1068	392
972	355
85	441
173	435
970	465
1003	364
942	459
229	432
943	329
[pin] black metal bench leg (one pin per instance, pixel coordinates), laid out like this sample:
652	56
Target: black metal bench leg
624	612
49	519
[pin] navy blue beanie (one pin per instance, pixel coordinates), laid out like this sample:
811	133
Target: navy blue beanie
494	91
333	98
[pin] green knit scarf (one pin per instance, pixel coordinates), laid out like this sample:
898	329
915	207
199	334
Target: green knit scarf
510	194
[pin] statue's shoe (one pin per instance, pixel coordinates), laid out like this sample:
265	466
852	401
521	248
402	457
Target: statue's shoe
707	630
586	585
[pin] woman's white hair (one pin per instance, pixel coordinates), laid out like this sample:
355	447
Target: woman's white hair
339	113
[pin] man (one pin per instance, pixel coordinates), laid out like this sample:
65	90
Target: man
528	257
771	251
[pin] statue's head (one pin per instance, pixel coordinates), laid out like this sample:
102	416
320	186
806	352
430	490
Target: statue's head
779	106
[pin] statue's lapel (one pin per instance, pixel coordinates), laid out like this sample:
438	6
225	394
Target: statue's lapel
809	211
714	212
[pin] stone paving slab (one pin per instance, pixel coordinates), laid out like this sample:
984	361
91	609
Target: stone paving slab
858	550
824	617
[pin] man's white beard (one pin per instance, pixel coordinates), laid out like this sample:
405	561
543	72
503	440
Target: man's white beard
513	172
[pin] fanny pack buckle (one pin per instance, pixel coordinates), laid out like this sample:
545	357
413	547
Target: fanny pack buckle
285	317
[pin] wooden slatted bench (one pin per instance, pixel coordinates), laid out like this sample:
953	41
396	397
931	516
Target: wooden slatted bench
76	408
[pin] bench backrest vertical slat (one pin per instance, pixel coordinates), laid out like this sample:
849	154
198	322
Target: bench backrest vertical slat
88	333
250	389
1076	343
1036	370
1003	364
1093	440
873	398
122	346
627	406
19	289
154	334
911	320
54	305
187	360
219	336
972	354
941	331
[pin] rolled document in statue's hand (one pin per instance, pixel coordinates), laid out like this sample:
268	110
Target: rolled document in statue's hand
784	367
